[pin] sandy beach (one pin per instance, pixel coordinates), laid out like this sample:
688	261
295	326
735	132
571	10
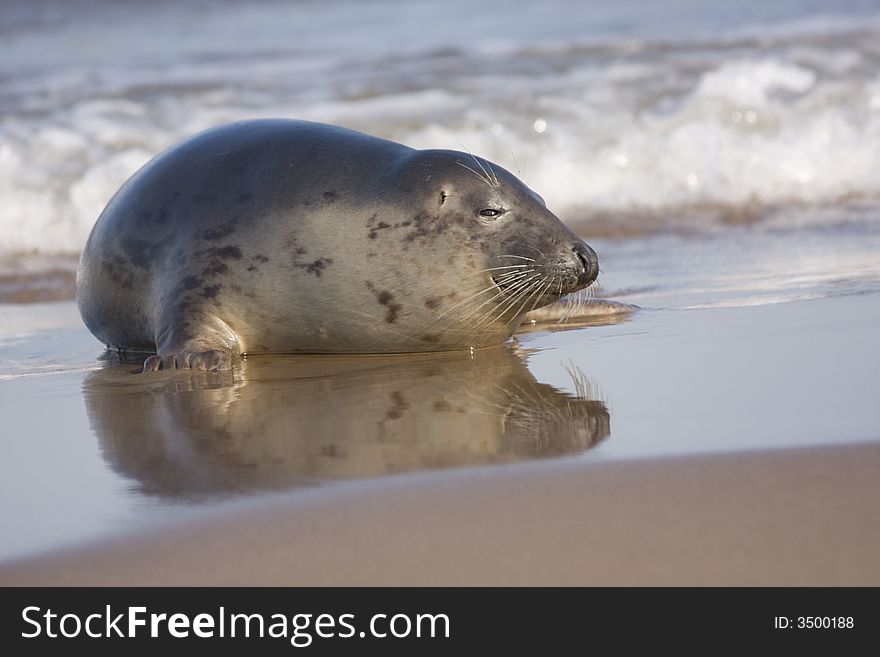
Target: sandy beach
721	162
780	518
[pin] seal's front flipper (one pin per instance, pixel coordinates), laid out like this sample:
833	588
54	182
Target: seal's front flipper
575	311
190	359
211	346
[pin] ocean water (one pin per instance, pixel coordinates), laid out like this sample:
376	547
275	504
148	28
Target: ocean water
630	118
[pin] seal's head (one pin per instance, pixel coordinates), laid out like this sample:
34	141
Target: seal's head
510	253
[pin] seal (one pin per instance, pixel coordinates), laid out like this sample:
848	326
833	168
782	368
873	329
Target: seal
280	236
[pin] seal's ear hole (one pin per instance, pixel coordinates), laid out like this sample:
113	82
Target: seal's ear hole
442	198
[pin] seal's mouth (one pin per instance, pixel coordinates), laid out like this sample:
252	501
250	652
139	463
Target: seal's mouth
542	283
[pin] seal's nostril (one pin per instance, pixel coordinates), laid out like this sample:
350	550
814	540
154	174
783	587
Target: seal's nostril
589	263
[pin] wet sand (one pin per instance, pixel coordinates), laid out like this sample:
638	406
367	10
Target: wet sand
715	446
794	517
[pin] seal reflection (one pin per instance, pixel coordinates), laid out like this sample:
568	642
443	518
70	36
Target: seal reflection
282	422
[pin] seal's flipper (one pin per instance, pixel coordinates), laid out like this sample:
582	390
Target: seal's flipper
575	311
209	345
190	359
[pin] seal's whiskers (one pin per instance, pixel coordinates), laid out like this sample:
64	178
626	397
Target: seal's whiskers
506	278
511	294
537	250
491	171
538	298
512	282
507	255
480	272
543	283
524	288
473	171
490	178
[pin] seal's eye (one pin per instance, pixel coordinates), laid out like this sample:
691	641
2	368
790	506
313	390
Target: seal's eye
491	212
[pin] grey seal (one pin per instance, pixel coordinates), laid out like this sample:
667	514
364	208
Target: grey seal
281	236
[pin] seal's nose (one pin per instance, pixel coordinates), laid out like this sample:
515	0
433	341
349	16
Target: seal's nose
589	263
